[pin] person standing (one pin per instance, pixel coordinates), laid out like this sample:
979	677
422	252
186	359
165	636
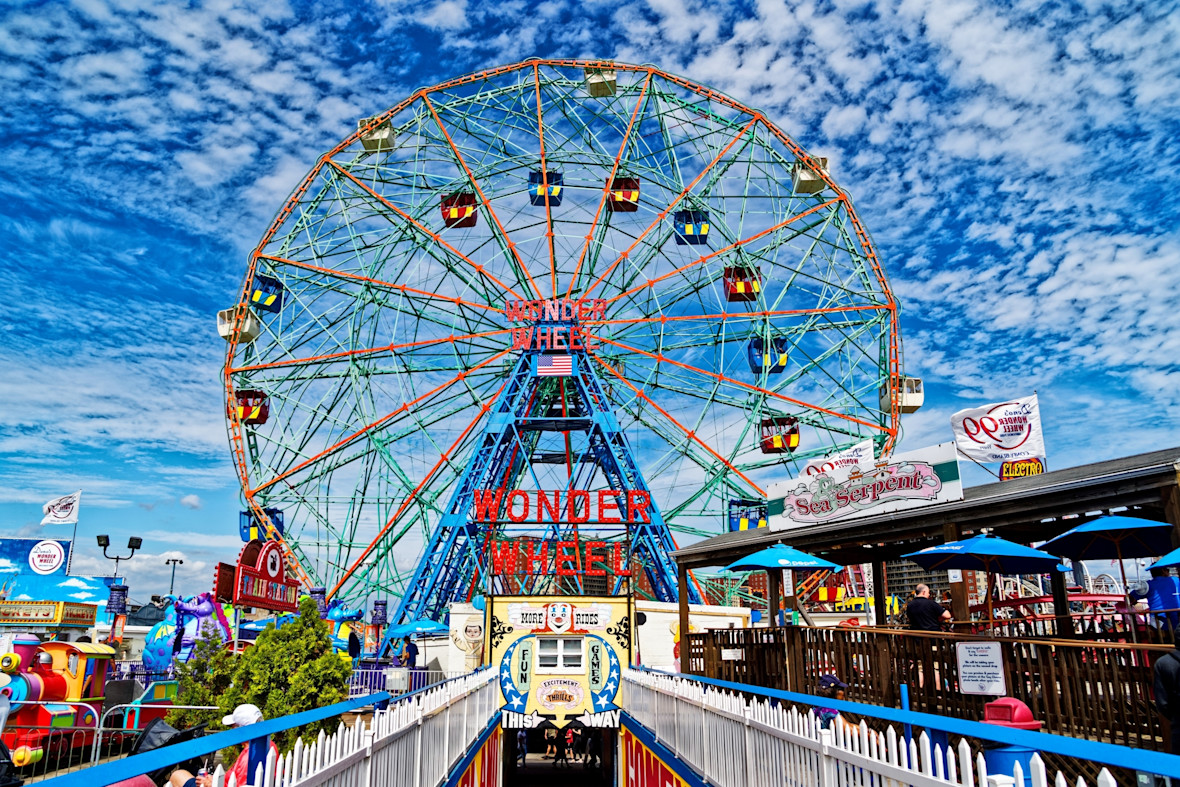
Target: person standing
562	751
550	743
1166	690
594	749
580	741
924	613
522	747
411	651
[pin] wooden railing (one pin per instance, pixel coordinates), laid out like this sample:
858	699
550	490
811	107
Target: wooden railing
1096	691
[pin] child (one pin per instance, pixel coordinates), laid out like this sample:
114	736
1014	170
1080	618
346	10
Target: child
832	688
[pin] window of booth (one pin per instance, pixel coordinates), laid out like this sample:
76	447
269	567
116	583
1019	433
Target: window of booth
559	654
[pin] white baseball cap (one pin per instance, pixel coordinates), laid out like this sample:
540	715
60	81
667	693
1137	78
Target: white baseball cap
243	715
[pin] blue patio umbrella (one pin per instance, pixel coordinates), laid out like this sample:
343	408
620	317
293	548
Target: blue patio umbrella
780	556
417	627
985	553
988	553
1114	538
1170	560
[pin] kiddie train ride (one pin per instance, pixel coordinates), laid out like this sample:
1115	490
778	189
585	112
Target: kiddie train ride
57	691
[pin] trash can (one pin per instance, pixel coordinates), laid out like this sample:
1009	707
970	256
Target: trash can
1001	757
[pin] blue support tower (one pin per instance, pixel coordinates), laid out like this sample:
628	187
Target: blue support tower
455	560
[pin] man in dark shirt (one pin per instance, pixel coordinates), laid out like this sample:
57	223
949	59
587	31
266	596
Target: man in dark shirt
924	613
411	651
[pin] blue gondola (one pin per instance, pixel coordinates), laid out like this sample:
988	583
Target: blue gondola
691	226
537	188
250	529
266	293
770	358
746	514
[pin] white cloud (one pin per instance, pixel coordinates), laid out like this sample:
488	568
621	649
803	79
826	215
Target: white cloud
1011	165
74	582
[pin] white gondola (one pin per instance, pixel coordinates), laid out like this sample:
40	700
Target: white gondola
601	82
805	180
910	395
378	139
250	328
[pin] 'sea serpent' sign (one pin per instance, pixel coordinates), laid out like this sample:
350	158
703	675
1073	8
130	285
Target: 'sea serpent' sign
918	478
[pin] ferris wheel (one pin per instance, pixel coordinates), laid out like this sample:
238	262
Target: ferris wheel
731	304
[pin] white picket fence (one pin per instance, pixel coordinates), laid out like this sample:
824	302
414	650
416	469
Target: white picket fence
413	743
733	742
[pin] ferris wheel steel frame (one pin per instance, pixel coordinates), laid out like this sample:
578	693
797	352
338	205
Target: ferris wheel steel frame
358	568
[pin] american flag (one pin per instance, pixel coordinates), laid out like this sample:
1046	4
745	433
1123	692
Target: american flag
555	366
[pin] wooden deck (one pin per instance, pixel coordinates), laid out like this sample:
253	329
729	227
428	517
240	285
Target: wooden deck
1091	690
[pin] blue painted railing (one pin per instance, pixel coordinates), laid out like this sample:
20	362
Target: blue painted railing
1104	753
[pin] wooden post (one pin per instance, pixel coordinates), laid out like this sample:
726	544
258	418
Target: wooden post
772	593
880	594
1065	628
682	597
1171	498
960	607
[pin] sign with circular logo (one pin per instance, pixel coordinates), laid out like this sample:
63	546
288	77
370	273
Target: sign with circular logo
274	564
46	557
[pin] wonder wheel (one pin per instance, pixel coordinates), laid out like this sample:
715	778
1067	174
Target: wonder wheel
731	302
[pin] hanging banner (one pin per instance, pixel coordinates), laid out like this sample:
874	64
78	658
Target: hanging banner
842	463
1002	432
117	629
117	601
909	480
62	510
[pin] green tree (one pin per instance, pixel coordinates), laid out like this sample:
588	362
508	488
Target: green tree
204	680
287	670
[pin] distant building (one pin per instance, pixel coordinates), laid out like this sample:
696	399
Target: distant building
902	577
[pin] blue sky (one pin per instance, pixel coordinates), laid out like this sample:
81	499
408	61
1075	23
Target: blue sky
1016	166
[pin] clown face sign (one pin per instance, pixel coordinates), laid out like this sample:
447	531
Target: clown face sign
559	617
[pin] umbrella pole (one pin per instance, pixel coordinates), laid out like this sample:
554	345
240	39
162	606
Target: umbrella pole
1118	548
991	622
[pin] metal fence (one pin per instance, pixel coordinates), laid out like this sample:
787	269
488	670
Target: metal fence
123	670
744	735
395	680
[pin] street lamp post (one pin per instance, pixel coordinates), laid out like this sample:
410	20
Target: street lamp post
174	562
133	543
117	602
